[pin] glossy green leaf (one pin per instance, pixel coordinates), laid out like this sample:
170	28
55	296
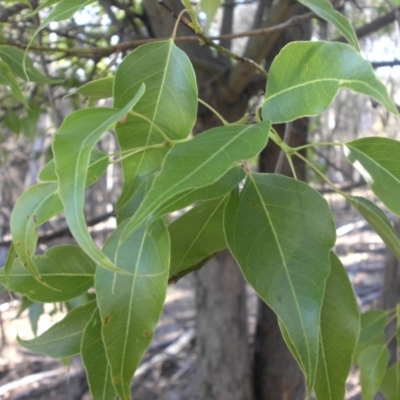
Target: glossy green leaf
14	58
197	235
66	270
281	233
373	362
95	361
213	191
325	10
37	205
98	89
378	221
390	386
64	338
305	77
130	305
8	79
98	164
170	101
200	162
72	147
168	106
376	158
44	4
340	327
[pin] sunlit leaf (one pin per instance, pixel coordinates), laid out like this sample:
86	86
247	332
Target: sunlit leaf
130	305
390	386
72	147
305	77
98	89
37	205
325	10
95	361
64	338
340	327
373	362
378	221
67	271
196	235
14	58
200	162
169	105
281	233
376	158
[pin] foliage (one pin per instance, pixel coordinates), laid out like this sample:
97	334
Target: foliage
280	230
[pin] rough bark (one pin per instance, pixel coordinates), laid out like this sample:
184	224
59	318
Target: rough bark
222	346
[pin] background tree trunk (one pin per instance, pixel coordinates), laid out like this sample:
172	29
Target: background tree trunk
222	341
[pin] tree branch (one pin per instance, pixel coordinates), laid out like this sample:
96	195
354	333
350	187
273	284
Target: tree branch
373	26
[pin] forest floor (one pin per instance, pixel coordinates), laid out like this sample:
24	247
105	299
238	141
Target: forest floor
168	370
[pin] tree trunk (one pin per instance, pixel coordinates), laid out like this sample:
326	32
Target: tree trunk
222	343
275	371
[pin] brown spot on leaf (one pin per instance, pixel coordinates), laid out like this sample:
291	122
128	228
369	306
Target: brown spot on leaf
28	216
117	379
25	264
28	252
19	244
106	320
34	217
147	333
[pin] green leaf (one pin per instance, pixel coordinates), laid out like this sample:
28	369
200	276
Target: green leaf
281	233
95	361
200	162
210	8
372	331
305	77
377	161
9	261
130	305
170	101
98	164
169	105
373	362
98	89
378	221
36	205
213	191
63	10
44	5
72	147
66	270
340	327
390	386
35	311
196	235
64	338
14	58
8	79
325	10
